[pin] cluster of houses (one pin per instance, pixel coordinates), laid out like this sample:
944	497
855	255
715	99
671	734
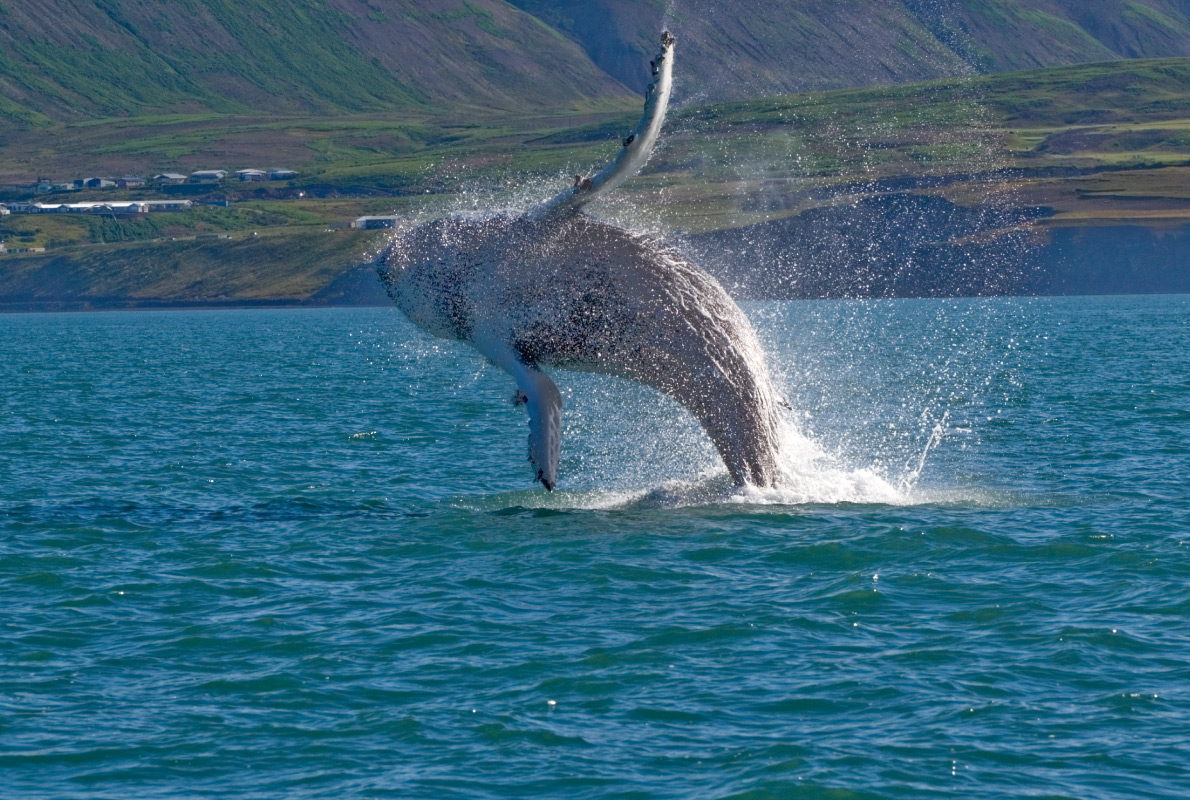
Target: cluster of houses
136	207
45	186
129	207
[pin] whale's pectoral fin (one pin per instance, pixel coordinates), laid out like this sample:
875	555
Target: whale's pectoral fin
540	396
637	146
545	421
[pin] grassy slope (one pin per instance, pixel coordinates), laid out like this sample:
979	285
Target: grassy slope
71	60
1088	117
774	46
84	59
937	125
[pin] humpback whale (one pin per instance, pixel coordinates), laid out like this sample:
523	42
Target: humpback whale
553	287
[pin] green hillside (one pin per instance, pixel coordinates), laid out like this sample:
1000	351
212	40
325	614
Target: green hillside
1086	116
77	60
761	47
64	60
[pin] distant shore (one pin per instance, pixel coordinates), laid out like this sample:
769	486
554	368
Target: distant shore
326	270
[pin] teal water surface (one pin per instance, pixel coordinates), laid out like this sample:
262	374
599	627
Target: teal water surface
265	554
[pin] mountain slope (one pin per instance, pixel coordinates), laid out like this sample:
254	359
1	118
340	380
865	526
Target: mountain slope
79	59
758	47
76	60
732	50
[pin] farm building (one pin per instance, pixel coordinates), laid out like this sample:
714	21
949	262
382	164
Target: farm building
169	179
208	176
119	207
167	205
250	174
282	174
128	207
372	223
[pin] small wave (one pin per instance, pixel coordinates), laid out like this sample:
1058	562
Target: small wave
538	500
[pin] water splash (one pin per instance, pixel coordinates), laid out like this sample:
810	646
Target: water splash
810	474
939	430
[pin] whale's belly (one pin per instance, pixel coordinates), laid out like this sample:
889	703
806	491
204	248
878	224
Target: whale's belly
605	300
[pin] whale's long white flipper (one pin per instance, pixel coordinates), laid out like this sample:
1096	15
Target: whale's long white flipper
541	398
637	147
545	422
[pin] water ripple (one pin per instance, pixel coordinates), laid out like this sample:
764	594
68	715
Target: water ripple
295	554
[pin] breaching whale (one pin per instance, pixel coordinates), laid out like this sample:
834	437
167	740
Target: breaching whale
554	287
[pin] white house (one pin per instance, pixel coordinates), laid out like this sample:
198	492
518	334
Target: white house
68	208
250	174
131	207
4	210
166	205
169	179
208	176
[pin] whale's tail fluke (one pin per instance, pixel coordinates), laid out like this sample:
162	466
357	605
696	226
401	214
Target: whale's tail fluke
637	146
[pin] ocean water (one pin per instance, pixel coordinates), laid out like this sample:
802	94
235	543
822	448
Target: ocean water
298	554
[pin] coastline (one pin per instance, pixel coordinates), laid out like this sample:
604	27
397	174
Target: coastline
320	271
